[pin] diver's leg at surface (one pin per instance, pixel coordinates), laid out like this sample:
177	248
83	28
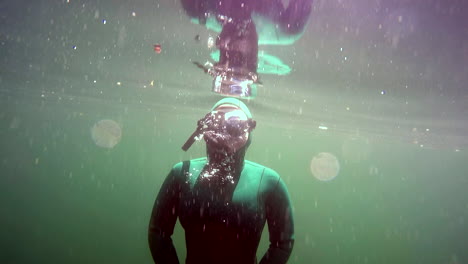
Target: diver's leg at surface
235	74
238	45
294	19
197	9
235	9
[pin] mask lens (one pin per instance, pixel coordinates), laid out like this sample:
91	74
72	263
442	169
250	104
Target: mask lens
234	122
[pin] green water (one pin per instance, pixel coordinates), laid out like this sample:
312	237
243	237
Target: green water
400	195
65	200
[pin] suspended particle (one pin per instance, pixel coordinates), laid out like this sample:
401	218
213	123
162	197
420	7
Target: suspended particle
104	21
157	48
211	42
383	92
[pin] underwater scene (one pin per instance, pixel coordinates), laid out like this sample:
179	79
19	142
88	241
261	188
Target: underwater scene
362	111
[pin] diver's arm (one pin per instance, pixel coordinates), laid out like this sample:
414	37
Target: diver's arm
163	219
280	225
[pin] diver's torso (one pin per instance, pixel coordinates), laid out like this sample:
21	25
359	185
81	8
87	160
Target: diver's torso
222	222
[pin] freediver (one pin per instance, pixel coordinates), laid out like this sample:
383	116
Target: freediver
222	201
235	74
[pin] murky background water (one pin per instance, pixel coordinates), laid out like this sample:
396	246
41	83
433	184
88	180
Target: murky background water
381	85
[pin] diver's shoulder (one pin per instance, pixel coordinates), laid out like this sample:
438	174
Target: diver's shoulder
248	163
267	172
198	160
193	163
178	166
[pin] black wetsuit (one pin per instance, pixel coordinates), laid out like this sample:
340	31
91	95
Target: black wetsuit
223	222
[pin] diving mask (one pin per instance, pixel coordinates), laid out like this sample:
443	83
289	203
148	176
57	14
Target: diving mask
224	125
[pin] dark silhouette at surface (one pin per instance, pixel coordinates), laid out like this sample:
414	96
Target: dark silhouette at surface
238	39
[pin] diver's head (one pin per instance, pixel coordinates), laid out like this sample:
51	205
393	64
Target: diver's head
226	128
